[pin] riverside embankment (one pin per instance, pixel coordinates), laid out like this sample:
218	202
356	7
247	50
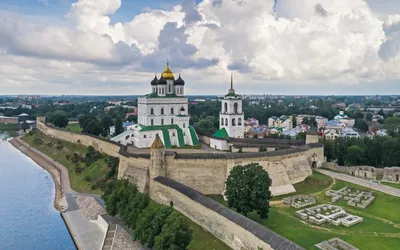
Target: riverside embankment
57	171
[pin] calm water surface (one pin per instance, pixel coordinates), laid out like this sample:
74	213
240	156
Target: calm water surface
28	219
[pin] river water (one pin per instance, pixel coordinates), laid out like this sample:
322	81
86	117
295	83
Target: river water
28	220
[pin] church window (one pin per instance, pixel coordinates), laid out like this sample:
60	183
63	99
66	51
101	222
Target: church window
162	111
172	111
184	125
172	120
144	136
226	107
173	133
226	121
162	121
235	107
222	121
151	122
151	111
233	122
240	121
169	88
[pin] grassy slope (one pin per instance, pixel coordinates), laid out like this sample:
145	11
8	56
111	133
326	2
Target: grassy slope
312	184
201	239
395	185
204	240
377	231
74	127
96	171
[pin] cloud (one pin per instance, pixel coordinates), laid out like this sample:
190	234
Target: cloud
304	42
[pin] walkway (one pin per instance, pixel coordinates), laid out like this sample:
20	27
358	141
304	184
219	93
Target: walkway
362	182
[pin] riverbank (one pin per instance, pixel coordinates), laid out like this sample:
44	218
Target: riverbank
46	163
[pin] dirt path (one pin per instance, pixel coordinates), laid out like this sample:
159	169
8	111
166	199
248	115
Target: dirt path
59	200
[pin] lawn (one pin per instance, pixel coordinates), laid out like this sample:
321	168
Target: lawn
379	230
74	127
395	185
203	239
312	184
97	171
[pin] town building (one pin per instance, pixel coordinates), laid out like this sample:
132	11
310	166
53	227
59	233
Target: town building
257	132
319	119
163	113
284	122
251	122
345	119
330	134
349	133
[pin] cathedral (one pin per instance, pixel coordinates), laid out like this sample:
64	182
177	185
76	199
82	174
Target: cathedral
163	112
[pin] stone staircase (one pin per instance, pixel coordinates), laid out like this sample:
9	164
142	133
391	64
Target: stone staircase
109	237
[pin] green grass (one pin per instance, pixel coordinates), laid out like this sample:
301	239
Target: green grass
395	185
74	127
312	184
96	171
379	230
203	239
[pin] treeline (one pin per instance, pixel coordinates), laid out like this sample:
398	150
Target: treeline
157	226
377	151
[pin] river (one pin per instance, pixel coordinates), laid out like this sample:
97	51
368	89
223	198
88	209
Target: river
28	219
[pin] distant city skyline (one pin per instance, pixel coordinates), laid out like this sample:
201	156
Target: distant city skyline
113	47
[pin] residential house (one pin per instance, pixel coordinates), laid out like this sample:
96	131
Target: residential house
319	119
345	119
334	124
376	118
349	133
284	122
125	125
330	134
374	127
259	131
340	105
251	122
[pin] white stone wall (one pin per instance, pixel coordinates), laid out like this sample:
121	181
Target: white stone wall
219	144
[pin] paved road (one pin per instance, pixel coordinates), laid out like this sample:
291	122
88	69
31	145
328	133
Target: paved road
362	182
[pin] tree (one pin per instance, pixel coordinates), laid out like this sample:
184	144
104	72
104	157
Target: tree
361	124
24	126
175	234
354	155
381	112
93	127
392	124
132	118
358	115
368	117
118	126
310	121
151	222
247	189
106	122
59	119
85	120
130	213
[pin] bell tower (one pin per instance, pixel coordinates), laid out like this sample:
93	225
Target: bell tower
231	116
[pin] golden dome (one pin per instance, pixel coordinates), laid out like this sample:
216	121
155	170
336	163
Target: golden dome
167	74
157	143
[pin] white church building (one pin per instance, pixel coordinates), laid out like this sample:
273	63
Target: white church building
163	112
231	120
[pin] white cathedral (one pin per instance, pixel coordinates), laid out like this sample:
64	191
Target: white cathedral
163	112
231	120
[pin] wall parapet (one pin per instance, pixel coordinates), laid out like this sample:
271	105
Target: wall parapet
248	155
266	235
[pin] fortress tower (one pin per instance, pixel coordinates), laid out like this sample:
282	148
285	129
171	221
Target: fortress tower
232	116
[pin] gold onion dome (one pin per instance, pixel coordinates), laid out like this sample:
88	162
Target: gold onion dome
167	74
157	143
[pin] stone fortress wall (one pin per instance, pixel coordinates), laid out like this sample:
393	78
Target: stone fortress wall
205	174
9	120
391	174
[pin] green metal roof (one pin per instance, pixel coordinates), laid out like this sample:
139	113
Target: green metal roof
158	127
222	134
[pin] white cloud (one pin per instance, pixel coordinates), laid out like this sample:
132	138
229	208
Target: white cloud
303	42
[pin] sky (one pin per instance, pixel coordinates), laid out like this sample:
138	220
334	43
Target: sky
114	47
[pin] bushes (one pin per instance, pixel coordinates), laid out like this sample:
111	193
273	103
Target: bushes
38	141
155	225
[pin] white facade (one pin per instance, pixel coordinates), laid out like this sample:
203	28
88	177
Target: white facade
220	144
284	122
163	112
231	116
